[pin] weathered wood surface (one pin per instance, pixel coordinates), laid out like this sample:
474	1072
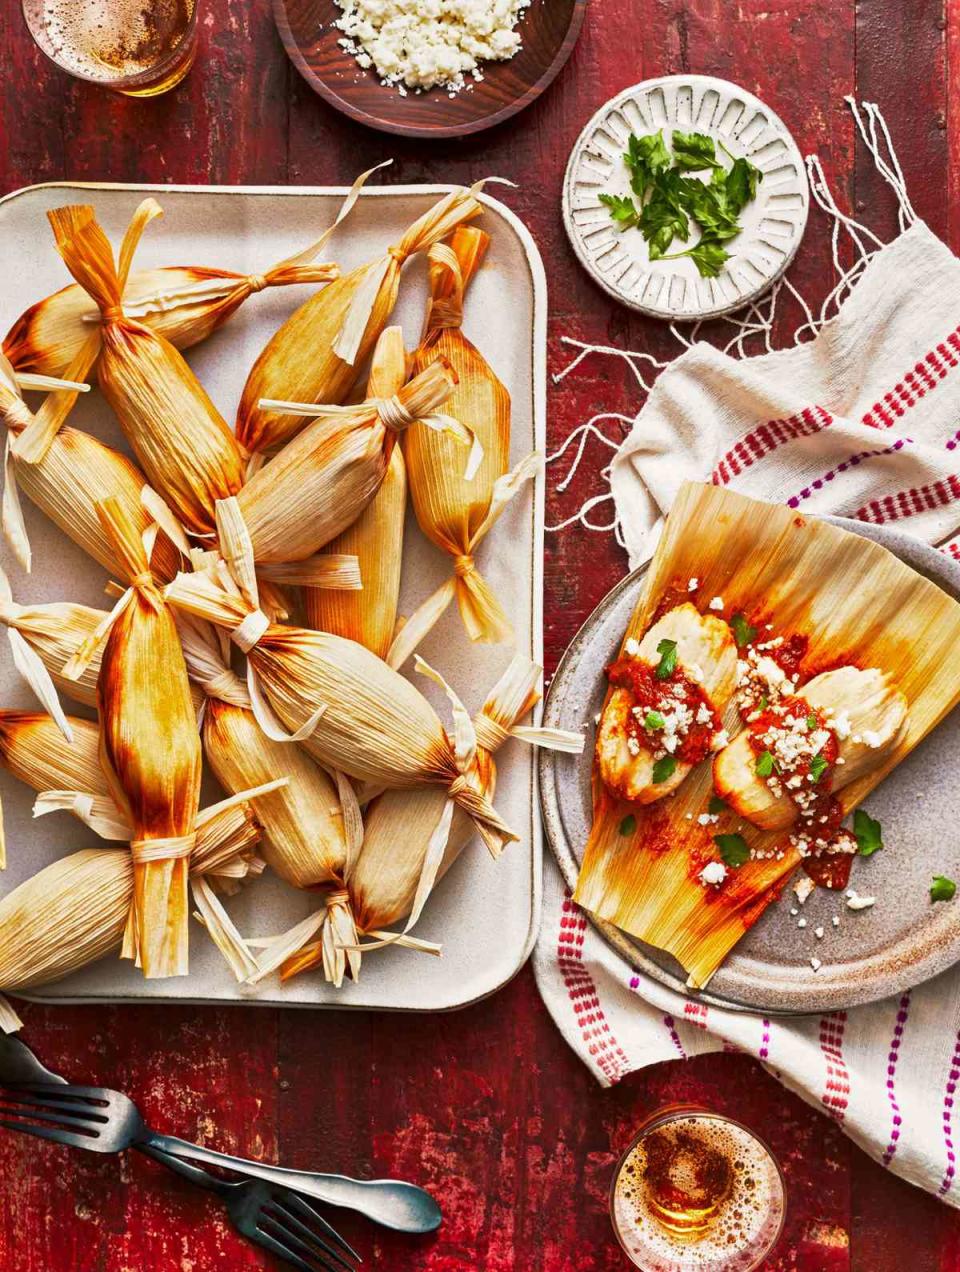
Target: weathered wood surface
487	1106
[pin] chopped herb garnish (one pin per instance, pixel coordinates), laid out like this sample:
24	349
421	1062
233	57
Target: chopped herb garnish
743	633
812	721
716	805
667	649
942	888
733	849
818	766
765	764
764	702
628	825
867	833
665	199
654	720
665	767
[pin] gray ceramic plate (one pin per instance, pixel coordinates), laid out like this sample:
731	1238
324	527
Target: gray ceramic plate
901	941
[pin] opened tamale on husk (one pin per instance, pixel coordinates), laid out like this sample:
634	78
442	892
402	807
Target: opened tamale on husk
770	564
152	753
181	441
74	471
322	480
375	537
319	352
402	856
454	512
348	709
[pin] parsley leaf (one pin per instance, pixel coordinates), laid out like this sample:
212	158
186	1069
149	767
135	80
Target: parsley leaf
645	157
867	833
654	720
667	649
628	825
733	849
665	767
622	209
708	255
694	151
818	766
741	185
716	805
812	721
764	764
743	633
942	888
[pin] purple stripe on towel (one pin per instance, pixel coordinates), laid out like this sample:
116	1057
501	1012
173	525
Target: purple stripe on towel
903	1011
795	500
951	1170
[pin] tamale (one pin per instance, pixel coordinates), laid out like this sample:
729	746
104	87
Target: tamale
183	303
456	512
54	633
304	840
404	852
318	353
185	449
375	537
348	709
73	473
152	753
781	580
322	480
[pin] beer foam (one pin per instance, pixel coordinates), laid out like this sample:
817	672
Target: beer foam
746	1221
112	41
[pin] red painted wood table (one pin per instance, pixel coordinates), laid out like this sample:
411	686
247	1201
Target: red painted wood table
486	1106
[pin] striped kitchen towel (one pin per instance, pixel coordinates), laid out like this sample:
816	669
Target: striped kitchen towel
863	420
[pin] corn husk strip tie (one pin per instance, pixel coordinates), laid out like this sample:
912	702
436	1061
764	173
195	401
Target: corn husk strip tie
101	815
34	441
31	668
222	929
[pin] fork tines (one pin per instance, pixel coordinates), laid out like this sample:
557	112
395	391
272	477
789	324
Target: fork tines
288	1221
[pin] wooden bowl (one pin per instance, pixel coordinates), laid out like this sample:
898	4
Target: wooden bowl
549	28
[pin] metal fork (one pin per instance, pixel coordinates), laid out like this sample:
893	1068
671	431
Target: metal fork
275	1218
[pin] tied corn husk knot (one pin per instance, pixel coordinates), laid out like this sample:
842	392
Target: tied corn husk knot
321	481
181	442
454	510
317	354
351	711
144	696
376	536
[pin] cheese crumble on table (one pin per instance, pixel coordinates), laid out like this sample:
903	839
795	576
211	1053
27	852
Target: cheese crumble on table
423	44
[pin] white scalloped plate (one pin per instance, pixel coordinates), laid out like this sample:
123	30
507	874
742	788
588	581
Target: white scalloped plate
773	223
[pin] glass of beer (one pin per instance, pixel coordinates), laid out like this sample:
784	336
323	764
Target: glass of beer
697	1191
137	47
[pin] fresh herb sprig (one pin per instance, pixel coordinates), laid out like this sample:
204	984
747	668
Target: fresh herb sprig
664	199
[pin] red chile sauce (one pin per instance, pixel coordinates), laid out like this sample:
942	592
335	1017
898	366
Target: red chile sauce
827	869
647	691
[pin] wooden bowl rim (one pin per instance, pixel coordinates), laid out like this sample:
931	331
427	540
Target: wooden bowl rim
506	111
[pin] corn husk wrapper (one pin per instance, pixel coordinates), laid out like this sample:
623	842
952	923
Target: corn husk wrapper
776	567
73	473
152	754
350	711
322	480
183	303
412	837
181	441
375	537
46	638
454	512
318	353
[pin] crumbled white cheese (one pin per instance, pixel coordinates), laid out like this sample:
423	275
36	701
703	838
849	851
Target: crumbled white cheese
717	603
802	887
632	647
714	872
704	714
693	585
719	740
835	920
818	933
816	964
856	902
708	819
801	923
429	43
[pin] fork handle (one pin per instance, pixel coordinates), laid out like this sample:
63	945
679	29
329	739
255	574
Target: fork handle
390	1202
202	1178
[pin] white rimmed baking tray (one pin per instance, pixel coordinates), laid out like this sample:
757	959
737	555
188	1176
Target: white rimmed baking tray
485	913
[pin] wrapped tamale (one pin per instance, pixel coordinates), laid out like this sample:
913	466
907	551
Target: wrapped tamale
409	843
183	303
43	639
152	753
322	480
74	471
456	511
375	537
319	352
348	709
181	441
